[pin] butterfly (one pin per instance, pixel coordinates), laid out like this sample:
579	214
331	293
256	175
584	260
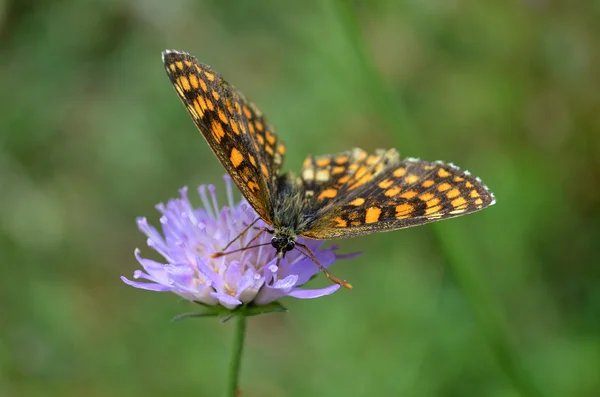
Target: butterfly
348	194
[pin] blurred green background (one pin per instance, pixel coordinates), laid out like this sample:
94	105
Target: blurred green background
505	302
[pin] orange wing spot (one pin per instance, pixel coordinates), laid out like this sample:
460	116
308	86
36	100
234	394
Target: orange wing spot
411	178
433	210
188	63
442	173
355	223
172	67
468	184
252	160
404	209
399	172
193	80
433	202
202	103
242	128
217	131
453	193
361	155
458	202
210	104
429	167
270	137
215	95
269	150
236	157
357	201
198	108
364	179
339	222
260	139
307	161
474	194
385	183
478	201
337	170
427	196
259	125
264	170
372	215
428	183
247	112
324	162
238	108
223	117
344	179
252	185
328	193
359	172
341	159
281	149
234	127
373	159
228	105
392	192
458	179
410	194
443	187
179	65
209	76
203	85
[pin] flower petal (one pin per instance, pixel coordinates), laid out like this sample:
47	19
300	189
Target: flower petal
146	286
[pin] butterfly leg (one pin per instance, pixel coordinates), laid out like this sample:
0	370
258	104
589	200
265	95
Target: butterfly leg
333	278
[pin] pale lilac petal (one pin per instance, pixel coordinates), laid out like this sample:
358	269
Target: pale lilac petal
146	286
313	293
226	300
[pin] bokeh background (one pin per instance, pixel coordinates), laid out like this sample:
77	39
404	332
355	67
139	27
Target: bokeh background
505	302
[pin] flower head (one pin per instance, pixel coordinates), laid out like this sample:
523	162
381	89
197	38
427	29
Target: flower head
191	235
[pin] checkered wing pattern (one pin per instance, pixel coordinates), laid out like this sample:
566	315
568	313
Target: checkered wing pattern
389	194
236	131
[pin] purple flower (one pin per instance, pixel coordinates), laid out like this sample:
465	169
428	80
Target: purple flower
189	237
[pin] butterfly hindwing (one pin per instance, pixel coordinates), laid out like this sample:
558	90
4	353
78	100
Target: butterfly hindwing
236	131
329	178
405	193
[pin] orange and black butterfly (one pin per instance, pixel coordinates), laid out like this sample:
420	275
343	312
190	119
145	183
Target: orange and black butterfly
335	196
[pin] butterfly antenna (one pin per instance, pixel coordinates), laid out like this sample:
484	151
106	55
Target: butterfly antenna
332	277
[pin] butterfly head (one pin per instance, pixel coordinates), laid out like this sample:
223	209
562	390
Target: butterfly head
283	243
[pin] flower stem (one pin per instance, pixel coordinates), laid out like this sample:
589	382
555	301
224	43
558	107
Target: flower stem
236	356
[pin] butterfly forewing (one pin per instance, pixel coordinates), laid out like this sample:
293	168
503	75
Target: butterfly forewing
405	193
238	134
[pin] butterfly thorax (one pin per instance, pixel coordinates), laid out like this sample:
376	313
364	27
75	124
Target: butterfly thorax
289	212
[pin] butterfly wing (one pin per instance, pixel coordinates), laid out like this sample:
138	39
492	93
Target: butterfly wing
236	131
390	194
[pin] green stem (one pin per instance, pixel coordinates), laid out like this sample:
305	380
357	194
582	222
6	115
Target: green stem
460	259
236	356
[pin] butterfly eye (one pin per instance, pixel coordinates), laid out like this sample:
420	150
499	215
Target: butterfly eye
276	242
290	245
